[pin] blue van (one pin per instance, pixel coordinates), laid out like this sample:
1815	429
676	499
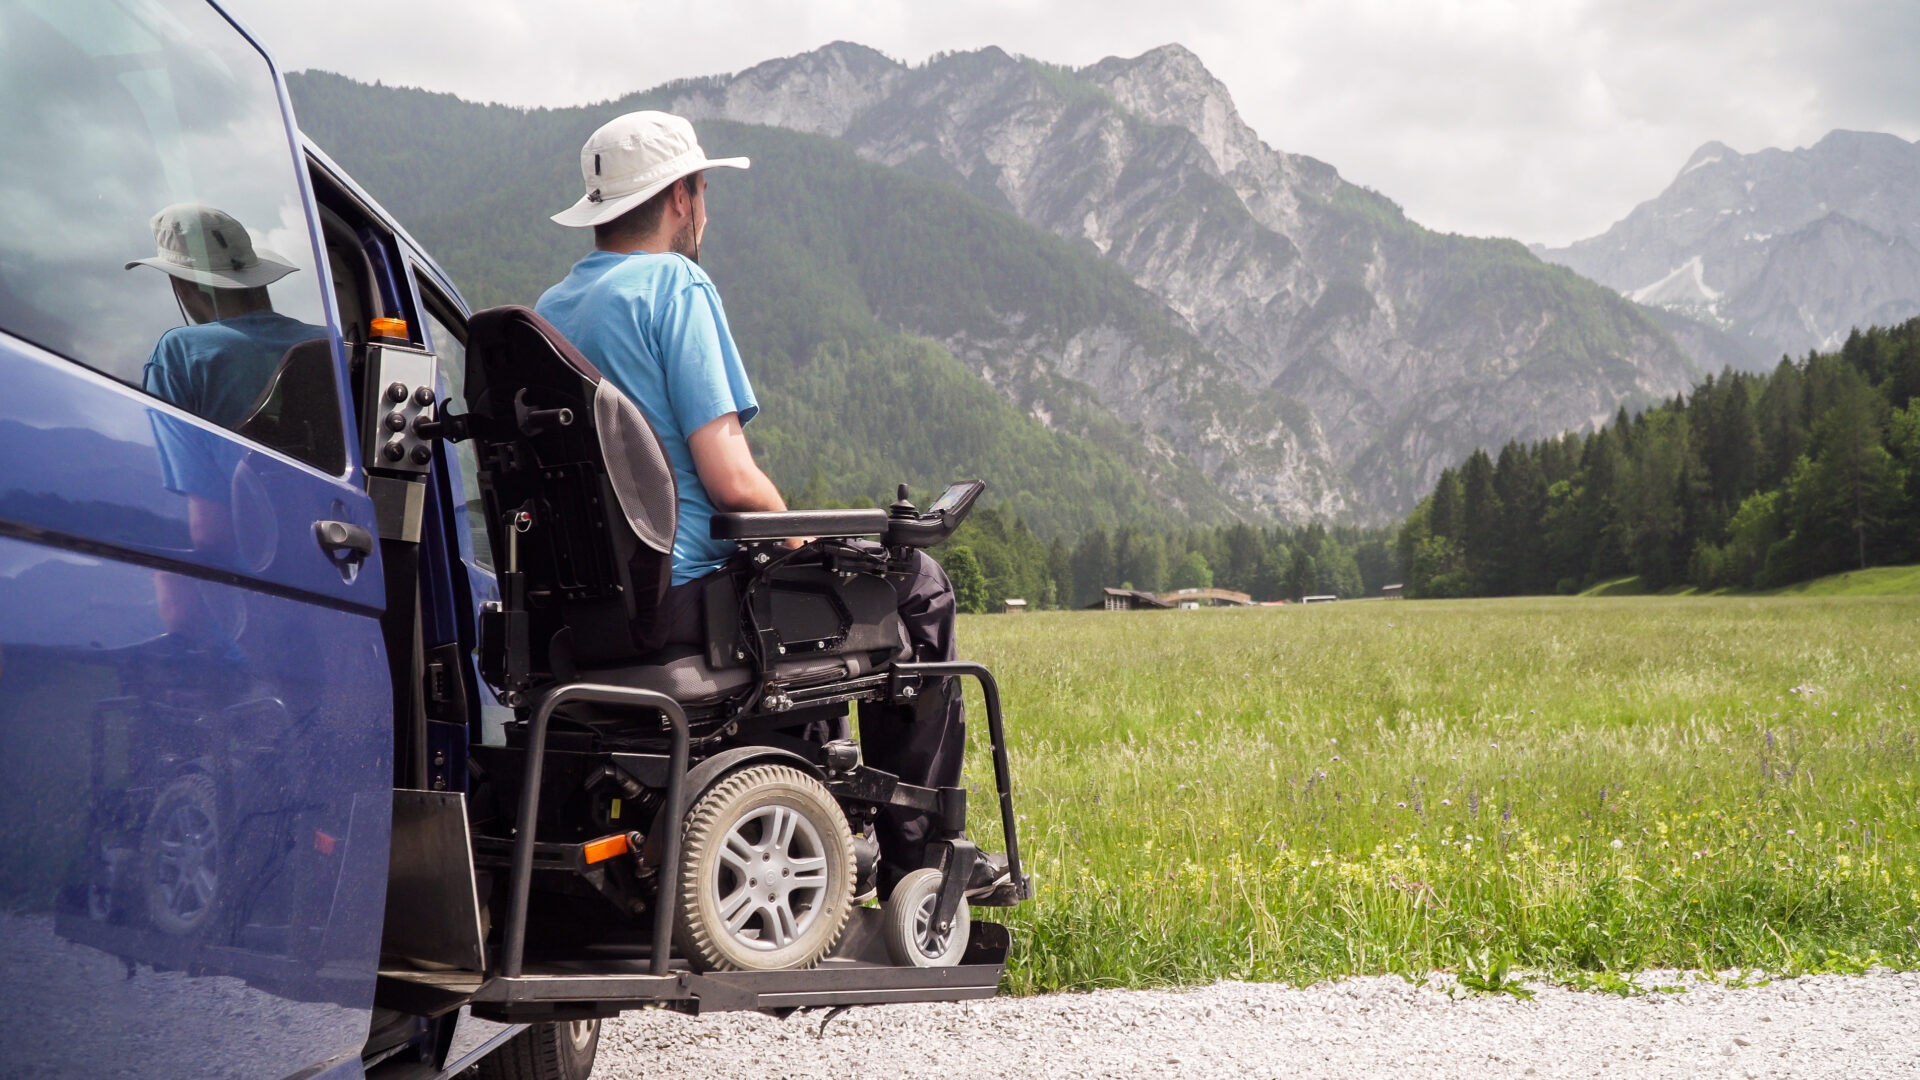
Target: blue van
241	582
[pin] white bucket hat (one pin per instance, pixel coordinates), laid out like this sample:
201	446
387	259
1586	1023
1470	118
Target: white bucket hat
210	247
631	159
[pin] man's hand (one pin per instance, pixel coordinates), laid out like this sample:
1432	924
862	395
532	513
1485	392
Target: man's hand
727	470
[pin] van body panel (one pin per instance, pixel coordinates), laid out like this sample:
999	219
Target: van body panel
193	828
196	708
85	469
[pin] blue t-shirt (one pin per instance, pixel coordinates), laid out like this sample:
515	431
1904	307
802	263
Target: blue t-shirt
654	325
215	371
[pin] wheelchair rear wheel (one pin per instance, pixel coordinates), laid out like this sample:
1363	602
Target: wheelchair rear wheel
766	873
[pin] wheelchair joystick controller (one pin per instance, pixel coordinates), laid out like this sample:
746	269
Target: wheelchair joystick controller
903	506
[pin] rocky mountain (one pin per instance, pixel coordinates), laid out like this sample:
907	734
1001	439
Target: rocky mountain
1783	251
1404	349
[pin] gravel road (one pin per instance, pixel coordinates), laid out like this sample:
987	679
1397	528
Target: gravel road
1825	1026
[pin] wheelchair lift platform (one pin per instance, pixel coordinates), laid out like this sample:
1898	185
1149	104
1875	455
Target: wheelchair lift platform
585	986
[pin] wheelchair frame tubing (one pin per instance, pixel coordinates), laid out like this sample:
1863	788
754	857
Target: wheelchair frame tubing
1002	772
667	877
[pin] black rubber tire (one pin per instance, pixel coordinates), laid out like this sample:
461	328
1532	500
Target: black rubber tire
183	857
563	1051
700	934
911	900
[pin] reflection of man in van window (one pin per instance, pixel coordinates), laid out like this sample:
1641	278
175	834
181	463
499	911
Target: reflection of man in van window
217	365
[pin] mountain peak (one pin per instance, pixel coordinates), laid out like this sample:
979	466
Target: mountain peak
1172	64
819	92
1865	146
1174	55
853	55
1170	85
1710	153
1787	249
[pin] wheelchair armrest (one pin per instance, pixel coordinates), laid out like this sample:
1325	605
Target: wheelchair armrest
782	525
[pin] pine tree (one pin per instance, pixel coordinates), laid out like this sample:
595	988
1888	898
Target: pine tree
1480	524
1192	573
969	583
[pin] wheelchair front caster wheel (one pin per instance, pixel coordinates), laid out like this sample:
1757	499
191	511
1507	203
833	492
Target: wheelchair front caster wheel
766	873
906	923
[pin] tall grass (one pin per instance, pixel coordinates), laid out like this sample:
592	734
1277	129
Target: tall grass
1575	784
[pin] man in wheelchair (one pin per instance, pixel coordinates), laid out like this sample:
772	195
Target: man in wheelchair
644	548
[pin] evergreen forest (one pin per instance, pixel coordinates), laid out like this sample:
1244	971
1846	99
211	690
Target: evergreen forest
1751	481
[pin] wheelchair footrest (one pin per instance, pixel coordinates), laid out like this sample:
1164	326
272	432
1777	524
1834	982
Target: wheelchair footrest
1005	894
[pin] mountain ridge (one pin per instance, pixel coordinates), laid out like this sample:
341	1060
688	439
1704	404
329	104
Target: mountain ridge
1786	251
1302	284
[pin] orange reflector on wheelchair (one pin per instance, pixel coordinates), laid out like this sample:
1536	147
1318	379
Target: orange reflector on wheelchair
606	848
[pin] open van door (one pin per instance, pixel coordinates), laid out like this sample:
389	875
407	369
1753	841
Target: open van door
195	714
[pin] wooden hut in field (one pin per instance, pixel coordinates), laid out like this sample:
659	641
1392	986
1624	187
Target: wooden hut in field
1126	600
1014	606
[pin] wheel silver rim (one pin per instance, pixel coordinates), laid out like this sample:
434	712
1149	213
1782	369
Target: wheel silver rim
581	1033
187	871
770	878
930	941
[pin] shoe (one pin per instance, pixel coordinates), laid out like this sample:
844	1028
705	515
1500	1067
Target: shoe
990	872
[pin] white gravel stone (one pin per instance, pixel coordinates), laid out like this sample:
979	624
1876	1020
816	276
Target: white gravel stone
1856	1027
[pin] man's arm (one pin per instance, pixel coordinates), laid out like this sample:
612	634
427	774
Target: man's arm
727	470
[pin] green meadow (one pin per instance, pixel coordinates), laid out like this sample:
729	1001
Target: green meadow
1569	785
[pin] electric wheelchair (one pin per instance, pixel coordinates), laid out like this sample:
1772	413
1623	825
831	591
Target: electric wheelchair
709	795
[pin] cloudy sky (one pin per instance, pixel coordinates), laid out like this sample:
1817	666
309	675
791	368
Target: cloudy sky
1545	120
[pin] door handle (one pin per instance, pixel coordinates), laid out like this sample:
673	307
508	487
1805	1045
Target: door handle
344	538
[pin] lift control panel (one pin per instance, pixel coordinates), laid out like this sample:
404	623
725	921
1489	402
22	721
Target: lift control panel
401	409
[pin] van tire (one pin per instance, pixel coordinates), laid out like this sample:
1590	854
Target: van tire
562	1051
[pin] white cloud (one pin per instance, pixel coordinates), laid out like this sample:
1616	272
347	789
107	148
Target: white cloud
1541	119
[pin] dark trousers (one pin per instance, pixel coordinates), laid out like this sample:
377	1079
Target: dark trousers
923	743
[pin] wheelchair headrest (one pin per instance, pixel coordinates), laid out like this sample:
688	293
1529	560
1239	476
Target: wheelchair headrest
526	383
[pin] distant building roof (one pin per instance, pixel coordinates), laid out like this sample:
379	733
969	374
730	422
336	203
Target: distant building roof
1211	596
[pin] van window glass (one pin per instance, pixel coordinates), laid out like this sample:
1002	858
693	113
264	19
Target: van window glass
155	229
451	351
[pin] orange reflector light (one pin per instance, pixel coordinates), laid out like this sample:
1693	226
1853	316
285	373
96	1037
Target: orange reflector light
389	327
606	848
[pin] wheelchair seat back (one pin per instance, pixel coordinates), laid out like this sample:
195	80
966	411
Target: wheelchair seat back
580	501
578	491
